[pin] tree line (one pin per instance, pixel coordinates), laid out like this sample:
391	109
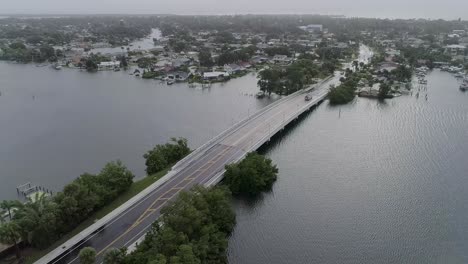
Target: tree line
44	219
289	79
194	229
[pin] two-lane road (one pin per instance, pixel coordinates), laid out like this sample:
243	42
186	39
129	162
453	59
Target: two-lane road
134	222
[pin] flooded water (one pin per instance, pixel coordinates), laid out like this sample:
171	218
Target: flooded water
146	43
368	182
56	125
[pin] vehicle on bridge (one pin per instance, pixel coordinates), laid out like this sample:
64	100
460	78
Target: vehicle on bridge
308	97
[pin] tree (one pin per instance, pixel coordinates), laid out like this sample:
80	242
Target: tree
269	80
205	58
87	255
114	256
193	229
384	90
37	220
116	177
10	233
252	175
91	65
161	156
185	255
8	206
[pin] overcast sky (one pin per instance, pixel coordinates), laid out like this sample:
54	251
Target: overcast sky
447	9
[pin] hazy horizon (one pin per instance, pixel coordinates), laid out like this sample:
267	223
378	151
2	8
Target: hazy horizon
430	9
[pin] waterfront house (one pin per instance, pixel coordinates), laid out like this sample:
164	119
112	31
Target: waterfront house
232	69
108	65
215	76
178	76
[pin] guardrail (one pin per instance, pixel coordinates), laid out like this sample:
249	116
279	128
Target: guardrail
81	238
237	126
218	177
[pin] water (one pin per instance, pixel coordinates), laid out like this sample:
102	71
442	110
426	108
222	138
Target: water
378	183
56	125
146	43
368	182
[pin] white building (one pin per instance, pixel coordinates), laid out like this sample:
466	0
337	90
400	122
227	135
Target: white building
108	65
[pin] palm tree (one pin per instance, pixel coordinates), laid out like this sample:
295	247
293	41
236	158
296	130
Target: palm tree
10	233
113	256
9	206
37	219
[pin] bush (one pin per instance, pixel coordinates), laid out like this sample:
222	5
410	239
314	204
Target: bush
162	156
87	255
193	229
252	175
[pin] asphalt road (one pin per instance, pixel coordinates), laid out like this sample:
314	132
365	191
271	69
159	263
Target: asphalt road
129	226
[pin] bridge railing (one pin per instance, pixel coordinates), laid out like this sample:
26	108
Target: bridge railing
234	128
219	176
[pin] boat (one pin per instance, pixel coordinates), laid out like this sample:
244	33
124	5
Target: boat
57	66
170	82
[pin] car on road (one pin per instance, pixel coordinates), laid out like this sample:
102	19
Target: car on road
308	97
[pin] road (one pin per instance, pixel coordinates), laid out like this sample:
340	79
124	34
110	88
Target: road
203	169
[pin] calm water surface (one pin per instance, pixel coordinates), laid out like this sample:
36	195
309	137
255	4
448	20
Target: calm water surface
368	182
378	183
55	125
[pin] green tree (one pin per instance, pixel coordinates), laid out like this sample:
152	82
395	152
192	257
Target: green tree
37	220
185	255
116	178
205	58
10	234
269	80
87	255
384	90
161	156
252	175
114	256
8	206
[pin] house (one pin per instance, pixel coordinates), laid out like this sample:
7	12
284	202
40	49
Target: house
313	28
108	65
178	76
232	69
281	59
258	60
455	50
215	76
179	62
389	66
370	91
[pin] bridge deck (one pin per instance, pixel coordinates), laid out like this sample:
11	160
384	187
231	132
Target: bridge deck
205	167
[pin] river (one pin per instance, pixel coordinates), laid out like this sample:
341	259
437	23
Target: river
369	182
56	125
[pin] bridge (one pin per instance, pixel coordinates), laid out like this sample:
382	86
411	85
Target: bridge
205	166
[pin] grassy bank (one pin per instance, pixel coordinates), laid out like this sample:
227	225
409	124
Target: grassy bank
33	255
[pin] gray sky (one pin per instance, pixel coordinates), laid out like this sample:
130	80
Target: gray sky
448	9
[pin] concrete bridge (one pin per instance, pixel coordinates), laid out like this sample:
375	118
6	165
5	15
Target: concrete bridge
205	166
